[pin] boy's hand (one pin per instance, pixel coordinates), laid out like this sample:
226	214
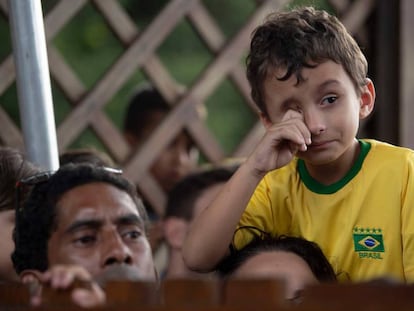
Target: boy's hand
280	143
84	291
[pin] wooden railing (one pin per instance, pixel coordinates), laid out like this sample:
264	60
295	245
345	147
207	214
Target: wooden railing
216	295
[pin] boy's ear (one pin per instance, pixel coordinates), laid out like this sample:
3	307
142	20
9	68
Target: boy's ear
175	231
265	120
367	100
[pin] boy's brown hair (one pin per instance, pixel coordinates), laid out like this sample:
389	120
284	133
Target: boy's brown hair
297	39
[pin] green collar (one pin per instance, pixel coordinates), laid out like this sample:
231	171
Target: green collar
317	187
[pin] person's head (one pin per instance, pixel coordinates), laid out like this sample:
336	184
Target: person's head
185	202
296	261
13	167
288	42
86	155
146	110
304	65
84	215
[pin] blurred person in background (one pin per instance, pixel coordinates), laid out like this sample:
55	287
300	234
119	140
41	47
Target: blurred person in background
146	110
13	167
186	201
294	261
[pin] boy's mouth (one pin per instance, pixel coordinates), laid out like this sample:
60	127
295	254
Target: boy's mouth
318	144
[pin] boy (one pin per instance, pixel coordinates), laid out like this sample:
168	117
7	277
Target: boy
310	176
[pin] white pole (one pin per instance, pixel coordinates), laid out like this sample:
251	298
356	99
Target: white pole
33	82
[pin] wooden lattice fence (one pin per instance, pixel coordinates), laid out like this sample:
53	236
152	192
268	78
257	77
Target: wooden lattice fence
140	45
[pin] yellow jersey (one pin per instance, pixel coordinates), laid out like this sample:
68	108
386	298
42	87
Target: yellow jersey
364	223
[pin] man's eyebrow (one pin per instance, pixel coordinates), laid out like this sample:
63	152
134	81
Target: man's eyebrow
84	223
130	219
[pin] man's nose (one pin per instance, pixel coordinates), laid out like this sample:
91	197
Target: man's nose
115	250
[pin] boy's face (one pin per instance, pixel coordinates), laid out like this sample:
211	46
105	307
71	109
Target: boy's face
99	227
328	104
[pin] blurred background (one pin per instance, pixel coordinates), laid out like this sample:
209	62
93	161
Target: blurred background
90	48
194	53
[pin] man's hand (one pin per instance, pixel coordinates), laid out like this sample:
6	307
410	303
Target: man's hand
84	292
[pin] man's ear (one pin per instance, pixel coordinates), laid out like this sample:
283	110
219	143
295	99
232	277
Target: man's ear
367	100
265	120
175	231
29	275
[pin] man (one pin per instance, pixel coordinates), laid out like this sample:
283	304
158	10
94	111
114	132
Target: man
79	223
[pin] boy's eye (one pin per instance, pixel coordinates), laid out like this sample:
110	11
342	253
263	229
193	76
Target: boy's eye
329	100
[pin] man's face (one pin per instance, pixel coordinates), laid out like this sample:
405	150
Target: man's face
98	227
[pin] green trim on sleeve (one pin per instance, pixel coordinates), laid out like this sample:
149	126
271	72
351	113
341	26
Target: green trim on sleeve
317	187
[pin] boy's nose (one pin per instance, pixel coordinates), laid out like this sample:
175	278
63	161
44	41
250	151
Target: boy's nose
314	121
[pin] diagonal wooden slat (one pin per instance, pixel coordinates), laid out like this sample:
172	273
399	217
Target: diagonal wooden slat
110	136
3	6
357	14
68	81
123	27
153	193
215	40
9	134
54	21
7	73
74	90
60	15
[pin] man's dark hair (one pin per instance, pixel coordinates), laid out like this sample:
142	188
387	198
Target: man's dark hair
309	251
13	167
37	219
142	104
86	155
182	197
